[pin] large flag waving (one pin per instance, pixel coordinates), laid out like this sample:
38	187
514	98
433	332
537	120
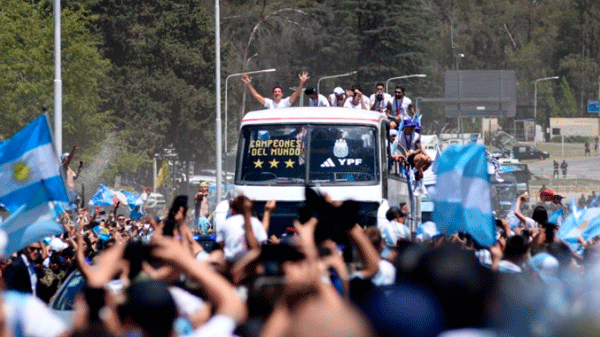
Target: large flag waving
135	202
32	222
462	198
107	197
28	162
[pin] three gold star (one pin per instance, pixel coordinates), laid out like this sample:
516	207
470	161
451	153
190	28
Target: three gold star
289	163
258	163
274	163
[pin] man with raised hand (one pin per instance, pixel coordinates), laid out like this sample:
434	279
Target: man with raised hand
278	101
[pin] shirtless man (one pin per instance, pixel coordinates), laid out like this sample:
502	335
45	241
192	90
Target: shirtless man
71	175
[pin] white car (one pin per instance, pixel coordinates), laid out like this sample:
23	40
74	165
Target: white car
156	200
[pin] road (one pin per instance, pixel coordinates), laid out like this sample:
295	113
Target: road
579	167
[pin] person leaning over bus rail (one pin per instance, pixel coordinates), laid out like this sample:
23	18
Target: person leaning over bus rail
407	149
278	101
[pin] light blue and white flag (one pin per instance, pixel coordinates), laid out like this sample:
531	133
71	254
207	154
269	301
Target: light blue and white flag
585	226
133	198
134	201
572	221
102	197
29	162
556	217
31	222
462	198
593	228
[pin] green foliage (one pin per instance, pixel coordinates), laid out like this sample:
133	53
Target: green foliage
27	71
160	90
138	76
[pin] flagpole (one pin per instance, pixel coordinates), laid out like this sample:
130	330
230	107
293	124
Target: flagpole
57	80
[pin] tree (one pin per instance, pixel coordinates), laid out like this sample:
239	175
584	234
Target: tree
27	71
160	87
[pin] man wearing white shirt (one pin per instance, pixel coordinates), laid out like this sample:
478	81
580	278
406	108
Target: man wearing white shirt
232	233
278	101
395	229
402	107
316	99
338	98
357	100
381	100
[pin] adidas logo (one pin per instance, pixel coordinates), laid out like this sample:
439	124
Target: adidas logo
328	163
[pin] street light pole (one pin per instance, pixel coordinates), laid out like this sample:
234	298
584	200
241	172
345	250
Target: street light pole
535	101
333	76
219	144
226	122
57	80
456	57
399	78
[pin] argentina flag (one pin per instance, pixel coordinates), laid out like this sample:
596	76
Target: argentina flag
28	162
462	196
32	222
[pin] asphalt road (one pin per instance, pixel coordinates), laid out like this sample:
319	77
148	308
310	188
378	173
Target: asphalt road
579	167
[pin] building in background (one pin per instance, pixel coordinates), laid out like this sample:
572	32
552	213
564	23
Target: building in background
583	127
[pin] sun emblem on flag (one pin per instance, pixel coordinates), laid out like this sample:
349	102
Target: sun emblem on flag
21	172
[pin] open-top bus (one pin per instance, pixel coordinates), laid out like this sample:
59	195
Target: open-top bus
342	152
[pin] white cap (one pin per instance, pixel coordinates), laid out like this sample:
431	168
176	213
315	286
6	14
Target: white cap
58	245
393	132
338	91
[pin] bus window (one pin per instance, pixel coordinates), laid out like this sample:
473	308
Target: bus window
272	154
343	154
277	154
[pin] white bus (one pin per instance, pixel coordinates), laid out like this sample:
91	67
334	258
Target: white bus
342	152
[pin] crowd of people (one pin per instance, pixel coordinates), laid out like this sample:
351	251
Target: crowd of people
326	275
403	122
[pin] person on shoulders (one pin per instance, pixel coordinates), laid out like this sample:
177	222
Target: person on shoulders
357	99
316	99
278	101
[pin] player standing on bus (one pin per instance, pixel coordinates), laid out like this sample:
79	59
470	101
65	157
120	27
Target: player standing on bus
278	101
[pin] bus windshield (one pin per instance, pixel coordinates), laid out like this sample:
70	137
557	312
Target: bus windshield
314	154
